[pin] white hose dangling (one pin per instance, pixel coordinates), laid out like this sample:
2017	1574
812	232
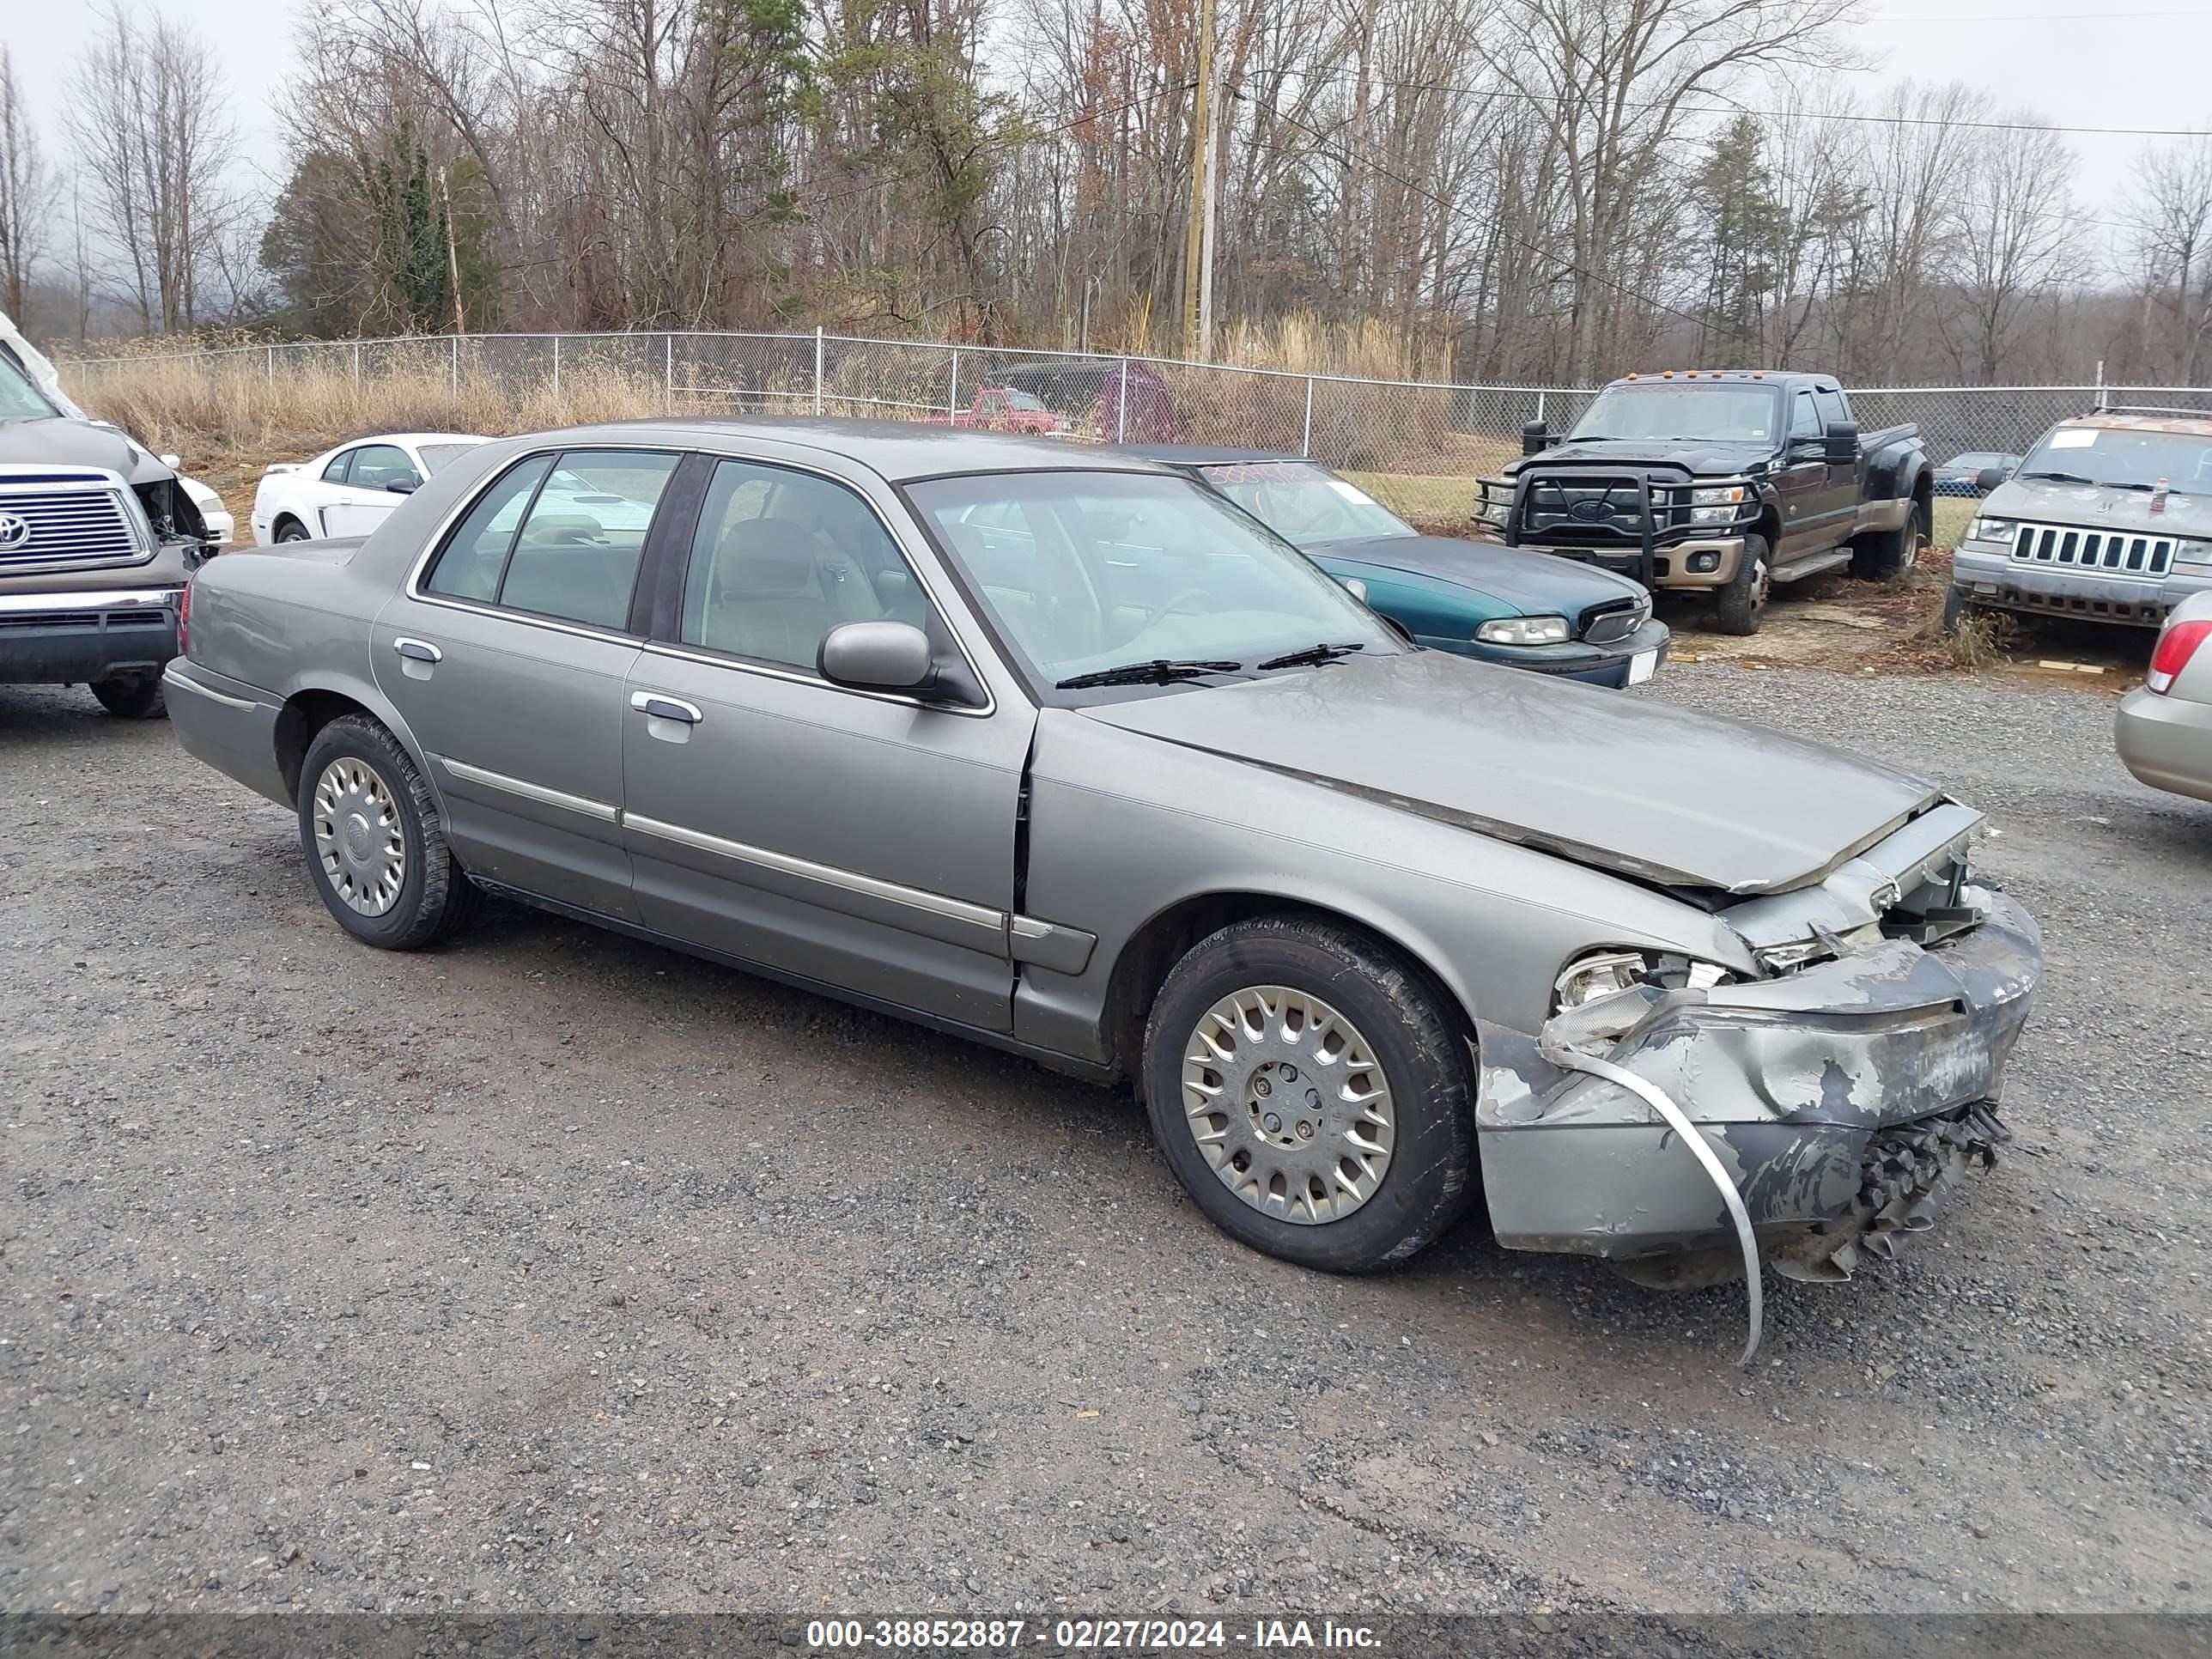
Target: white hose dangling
1652	1095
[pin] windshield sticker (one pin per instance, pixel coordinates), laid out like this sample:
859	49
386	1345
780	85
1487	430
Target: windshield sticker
1351	492
2074	437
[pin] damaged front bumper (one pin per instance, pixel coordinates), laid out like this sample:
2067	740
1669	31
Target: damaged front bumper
1843	1102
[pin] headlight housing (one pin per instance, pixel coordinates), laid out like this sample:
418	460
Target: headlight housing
1716	503
1524	630
1596	974
1992	530
2195	554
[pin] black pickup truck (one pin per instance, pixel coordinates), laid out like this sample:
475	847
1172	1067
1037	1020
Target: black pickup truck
1726	481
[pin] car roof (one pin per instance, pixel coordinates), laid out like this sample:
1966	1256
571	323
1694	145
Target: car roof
895	450
2147	420
414	440
1206	454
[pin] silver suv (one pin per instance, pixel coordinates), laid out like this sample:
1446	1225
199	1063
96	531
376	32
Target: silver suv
2109	518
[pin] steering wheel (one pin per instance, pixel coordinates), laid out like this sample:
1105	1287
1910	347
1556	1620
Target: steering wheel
1171	602
1331	517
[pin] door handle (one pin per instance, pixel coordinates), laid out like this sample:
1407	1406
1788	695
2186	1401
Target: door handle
666	709
418	650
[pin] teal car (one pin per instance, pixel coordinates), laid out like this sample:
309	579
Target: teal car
1478	599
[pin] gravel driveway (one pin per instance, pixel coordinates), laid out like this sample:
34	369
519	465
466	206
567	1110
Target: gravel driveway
554	1270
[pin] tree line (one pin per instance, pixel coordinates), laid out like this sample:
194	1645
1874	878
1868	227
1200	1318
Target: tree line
1541	190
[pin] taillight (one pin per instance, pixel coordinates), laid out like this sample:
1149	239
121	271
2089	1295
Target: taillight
2175	648
184	612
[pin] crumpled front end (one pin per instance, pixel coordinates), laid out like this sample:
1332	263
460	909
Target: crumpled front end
1843	1098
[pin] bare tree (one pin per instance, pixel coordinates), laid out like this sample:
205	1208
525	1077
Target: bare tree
2016	242
2173	233
154	145
28	193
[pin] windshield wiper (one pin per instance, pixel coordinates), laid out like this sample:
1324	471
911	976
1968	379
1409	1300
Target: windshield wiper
2057	478
1159	672
1313	654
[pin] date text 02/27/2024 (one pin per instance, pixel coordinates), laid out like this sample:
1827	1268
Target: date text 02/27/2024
1081	1635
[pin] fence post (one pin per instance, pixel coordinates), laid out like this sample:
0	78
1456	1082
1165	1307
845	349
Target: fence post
1121	407
817	369
1305	443
556	367
1540	409
273	365
2101	382
953	402
668	374
457	366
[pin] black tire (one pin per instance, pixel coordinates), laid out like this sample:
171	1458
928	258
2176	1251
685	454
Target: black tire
1880	555
1741	600
132	697
1954	608
291	530
1417	1045
435	897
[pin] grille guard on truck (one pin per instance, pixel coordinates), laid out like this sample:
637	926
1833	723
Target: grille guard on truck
1501	505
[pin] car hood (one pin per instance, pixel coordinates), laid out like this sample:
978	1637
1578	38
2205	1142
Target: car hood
1703	457
2095	505
1527	583
1664	794
55	443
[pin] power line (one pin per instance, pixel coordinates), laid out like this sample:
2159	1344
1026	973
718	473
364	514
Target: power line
1770	114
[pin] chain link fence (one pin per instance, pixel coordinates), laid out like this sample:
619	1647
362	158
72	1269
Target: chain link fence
1417	446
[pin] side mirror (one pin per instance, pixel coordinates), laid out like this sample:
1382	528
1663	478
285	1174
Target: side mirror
169	461
877	656
1535	439
1988	479
403	485
1357	588
1841	446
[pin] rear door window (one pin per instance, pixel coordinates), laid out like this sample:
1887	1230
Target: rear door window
576	554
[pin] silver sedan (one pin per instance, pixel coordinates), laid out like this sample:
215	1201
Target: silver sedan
1063	753
2165	725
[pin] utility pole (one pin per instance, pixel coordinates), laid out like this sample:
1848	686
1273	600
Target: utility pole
453	254
1198	243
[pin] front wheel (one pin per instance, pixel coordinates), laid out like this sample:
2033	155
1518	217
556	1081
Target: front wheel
1312	1094
291	530
132	697
375	840
1741	600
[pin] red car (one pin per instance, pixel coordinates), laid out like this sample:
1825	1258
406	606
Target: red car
1004	408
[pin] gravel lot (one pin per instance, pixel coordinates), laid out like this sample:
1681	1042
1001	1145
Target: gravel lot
554	1270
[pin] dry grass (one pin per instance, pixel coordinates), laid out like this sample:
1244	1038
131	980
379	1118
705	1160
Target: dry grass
233	403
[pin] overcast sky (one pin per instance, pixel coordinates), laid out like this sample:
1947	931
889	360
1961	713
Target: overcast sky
2081	62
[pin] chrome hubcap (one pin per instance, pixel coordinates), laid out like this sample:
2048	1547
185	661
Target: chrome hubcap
357	836
1288	1104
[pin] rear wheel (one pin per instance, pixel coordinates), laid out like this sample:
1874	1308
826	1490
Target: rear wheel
1741	600
1954	610
376	843
1882	553
132	697
1312	1094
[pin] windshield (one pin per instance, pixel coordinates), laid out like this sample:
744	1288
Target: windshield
1088	572
2122	457
1305	503
1975	461
20	400
435	456
1718	413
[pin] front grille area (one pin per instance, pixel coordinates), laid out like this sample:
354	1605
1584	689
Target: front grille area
2112	553
1612	622
68	526
1588	508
